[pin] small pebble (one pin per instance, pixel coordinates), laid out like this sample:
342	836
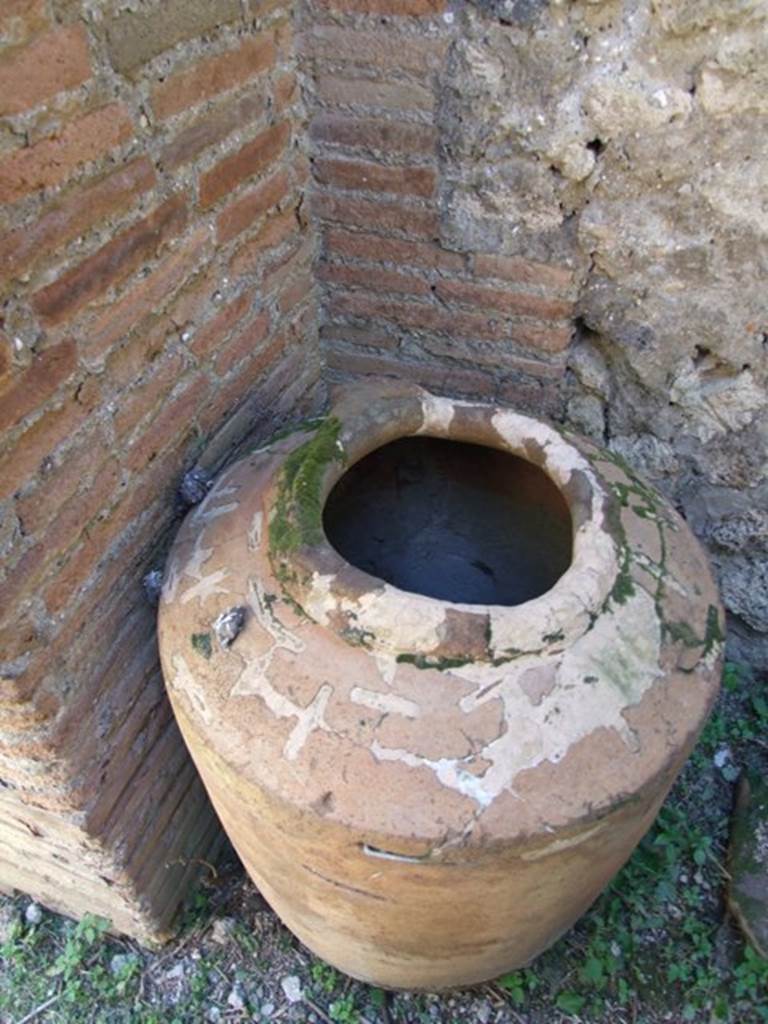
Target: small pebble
235	999
222	929
267	1009
119	962
194	486
33	914
291	986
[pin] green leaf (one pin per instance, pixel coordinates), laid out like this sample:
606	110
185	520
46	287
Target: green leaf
569	1002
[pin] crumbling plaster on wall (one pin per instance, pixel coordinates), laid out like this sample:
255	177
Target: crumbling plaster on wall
631	140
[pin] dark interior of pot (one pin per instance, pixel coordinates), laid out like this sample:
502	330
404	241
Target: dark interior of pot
454	521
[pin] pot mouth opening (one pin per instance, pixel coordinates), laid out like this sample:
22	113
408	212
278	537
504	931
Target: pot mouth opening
451	520
330	506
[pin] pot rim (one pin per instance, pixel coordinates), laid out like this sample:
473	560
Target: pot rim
365	610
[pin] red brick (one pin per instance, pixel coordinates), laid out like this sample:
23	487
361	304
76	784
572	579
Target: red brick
75	516
435	375
212	334
414	8
148	296
54	159
21	19
22	460
47	372
375	249
52	62
296	291
367	177
214	75
210	129
285	91
366	92
358	337
226	400
123	364
164	428
148	393
252	159
378	49
419	222
243	344
275	230
111	264
240	215
374	134
521	271
75	467
509	302
373	278
420	316
32	244
503	355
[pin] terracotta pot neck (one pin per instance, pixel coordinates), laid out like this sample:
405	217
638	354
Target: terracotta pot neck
364	609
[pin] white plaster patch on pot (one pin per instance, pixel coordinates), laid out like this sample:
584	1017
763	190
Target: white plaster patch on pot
605	672
565	844
184	682
318	600
208	510
388	703
269	622
206	585
255	531
171	582
386	665
438	414
309	719
398	620
253	680
449	771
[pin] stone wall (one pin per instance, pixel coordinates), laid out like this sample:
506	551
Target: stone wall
157	306
562	205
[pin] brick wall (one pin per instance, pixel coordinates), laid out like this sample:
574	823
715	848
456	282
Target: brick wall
157	306
401	295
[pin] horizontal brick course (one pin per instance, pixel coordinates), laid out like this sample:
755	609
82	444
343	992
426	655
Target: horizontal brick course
369	177
405	96
522	271
54	159
32	244
240	215
52	62
374	248
242	344
148	296
252	159
378	49
374	278
47	372
211	128
376	134
468	325
510	302
372	215
214	75
111	264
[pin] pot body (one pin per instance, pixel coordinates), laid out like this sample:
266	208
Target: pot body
429	793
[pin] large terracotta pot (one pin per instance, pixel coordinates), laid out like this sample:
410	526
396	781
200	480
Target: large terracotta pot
434	750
